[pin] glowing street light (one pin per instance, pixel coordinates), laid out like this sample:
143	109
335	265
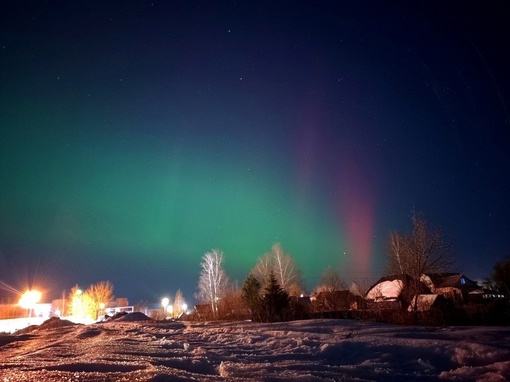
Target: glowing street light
77	303
164	303
29	300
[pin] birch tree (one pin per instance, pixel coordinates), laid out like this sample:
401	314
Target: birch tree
213	280
397	259
330	282
263	267
284	267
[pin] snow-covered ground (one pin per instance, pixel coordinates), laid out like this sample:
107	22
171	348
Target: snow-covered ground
135	348
12	325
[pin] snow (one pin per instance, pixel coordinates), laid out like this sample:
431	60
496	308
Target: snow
135	348
387	289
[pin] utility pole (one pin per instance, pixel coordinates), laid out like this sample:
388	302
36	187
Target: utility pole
63	303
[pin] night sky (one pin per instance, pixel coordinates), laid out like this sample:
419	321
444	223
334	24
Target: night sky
138	135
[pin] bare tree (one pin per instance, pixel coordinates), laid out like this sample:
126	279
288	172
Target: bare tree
285	269
263	267
90	303
330	281
359	287
501	276
397	260
178	307
423	251
213	280
101	294
232	305
294	290
97	297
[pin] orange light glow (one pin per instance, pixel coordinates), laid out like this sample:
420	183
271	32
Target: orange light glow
30	299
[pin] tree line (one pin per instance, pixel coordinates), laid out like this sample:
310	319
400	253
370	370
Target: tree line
274	284
275	281
265	293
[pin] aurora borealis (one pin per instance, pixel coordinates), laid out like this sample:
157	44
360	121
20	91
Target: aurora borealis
135	137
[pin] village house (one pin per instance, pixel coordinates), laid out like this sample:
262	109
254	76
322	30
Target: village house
394	292
453	286
399	291
334	301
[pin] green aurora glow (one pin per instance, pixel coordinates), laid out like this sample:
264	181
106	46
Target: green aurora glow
159	201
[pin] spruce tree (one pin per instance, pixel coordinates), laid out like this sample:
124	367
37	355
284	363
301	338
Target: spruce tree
276	302
251	296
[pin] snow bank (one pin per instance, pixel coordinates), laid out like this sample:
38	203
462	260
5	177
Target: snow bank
51	323
134	317
315	350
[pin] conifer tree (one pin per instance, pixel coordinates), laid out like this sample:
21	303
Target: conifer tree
276	302
251	296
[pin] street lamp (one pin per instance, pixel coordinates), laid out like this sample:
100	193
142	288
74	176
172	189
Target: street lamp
164	303
29	300
79	300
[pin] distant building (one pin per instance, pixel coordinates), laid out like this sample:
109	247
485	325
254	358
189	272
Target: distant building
391	292
8	297
118	305
333	301
119	302
58	306
394	292
454	286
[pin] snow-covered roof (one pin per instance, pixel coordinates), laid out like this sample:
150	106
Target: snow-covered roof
384	290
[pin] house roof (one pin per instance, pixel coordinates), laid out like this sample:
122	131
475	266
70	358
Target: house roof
449	280
387	289
336	294
404	278
393	286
